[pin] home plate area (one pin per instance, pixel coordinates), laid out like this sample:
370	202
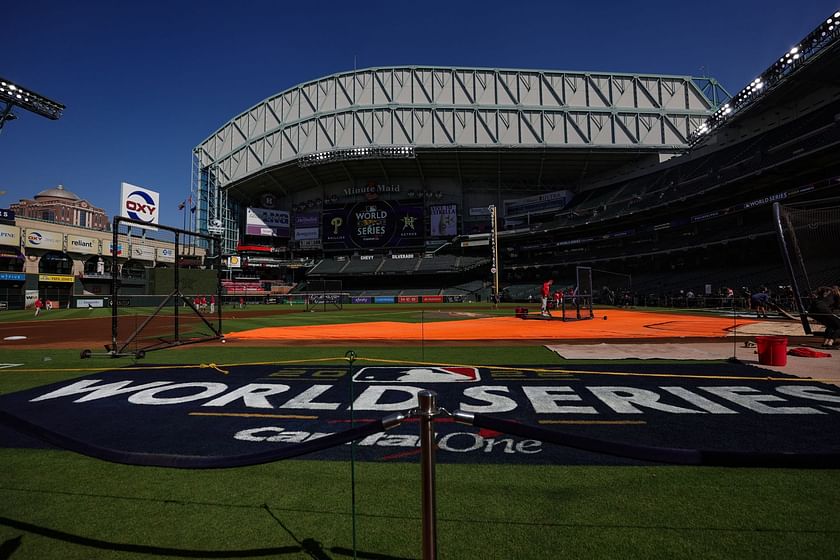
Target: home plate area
245	410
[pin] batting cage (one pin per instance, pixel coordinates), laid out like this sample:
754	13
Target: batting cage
165	288
583	293
612	288
807	240
325	295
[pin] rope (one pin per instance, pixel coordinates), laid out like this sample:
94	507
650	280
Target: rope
217	368
188	461
178	366
673	455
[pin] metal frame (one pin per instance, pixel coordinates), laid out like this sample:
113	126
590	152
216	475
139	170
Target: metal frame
175	298
457	107
783	246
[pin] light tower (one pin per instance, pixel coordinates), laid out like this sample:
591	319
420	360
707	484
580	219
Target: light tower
12	95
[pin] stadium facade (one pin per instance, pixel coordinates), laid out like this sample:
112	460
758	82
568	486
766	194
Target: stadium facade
405	161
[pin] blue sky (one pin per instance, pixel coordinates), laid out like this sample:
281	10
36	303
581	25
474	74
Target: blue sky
145	82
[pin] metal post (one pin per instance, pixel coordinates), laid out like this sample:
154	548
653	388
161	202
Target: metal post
114	283
797	295
177	283
217	247
494	252
427	411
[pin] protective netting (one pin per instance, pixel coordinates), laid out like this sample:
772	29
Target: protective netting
807	239
811	236
611	288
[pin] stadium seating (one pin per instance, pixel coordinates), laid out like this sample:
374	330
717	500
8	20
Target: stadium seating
242	287
391	266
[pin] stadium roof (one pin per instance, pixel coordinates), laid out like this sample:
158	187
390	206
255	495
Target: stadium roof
508	125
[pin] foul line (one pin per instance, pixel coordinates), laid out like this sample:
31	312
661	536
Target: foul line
255	415
613	373
596	422
555	371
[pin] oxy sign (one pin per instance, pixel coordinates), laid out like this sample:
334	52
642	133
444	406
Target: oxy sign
139	204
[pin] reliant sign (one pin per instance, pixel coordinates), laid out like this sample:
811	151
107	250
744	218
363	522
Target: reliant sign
139	204
83	245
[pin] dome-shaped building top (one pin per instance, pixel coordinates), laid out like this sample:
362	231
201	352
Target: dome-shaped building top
57	192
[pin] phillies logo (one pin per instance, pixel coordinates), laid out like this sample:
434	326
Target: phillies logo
140	206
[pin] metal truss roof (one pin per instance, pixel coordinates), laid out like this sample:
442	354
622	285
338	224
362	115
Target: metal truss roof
457	108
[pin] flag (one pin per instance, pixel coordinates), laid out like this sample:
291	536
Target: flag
190	202
182	205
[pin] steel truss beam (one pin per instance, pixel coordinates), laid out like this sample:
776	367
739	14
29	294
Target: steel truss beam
456	107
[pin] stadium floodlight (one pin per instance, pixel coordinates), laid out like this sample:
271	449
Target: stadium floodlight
815	42
14	95
348	154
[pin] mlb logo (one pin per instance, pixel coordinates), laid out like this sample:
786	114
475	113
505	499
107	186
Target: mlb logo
417	374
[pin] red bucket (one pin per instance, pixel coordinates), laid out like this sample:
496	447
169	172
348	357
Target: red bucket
772	350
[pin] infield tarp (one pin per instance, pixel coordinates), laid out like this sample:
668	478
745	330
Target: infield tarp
199	411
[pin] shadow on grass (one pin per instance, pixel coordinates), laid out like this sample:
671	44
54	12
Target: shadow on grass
136	548
9	547
316	550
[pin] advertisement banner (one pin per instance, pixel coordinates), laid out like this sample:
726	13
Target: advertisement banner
539	204
83	245
432	299
56	278
41	239
111	249
165	254
139	204
90	303
307	234
142	252
6	214
307	226
10	235
408	299
444	220
372	224
266	222
480	211
234	261
361	299
383	299
307	220
13	276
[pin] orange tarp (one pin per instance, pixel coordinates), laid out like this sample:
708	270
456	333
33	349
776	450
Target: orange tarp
620	324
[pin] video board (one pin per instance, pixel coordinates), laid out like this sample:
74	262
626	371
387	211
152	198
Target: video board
372	224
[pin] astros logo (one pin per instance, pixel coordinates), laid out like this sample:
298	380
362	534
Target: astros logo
140	206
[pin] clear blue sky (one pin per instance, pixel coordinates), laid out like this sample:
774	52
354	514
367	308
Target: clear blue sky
145	82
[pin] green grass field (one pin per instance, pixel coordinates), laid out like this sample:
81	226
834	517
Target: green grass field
56	504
